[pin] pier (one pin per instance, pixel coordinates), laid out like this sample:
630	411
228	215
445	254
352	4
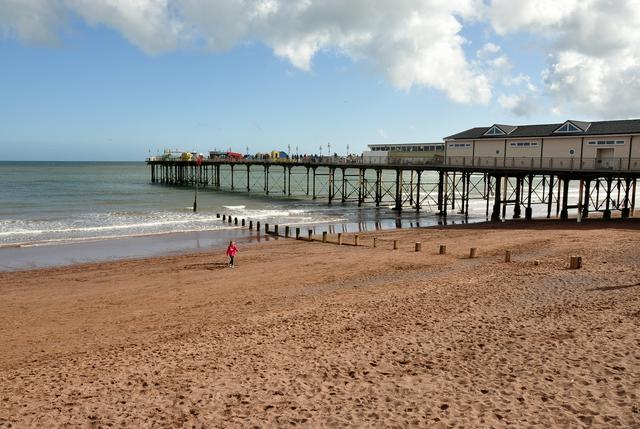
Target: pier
509	187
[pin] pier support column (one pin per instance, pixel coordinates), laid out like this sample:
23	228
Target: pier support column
440	191
332	172
307	193
289	180
550	197
398	205
378	186
468	192
625	203
606	215
586	198
564	214
343	196
418	185
314	182
361	184
495	214
266	179
516	208
248	177
528	212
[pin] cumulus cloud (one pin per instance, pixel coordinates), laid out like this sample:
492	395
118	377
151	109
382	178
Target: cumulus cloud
411	42
594	51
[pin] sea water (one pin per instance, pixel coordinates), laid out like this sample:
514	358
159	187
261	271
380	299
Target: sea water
55	213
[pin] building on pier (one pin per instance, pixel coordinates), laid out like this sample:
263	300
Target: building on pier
575	145
404	152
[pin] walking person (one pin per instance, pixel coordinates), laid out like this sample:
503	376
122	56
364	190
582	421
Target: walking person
231	253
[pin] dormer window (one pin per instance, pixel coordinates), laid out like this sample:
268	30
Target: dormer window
494	131
568	127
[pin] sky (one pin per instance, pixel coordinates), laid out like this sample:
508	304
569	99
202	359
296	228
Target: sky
126	79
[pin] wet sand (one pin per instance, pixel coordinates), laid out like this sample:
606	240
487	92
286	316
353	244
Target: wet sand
316	334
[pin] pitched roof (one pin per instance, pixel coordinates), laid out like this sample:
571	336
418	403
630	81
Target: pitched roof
629	126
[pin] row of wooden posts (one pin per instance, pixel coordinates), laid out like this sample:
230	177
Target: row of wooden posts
574	263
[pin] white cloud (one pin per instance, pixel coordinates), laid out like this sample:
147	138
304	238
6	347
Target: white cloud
519	105
414	43
594	51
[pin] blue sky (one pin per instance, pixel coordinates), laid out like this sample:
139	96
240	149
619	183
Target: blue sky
92	88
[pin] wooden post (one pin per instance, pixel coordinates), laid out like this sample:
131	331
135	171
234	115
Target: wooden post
297	233
443	249
218	215
229	219
250	224
243	223
324	236
339	239
418	247
275	230
356	240
310	234
575	262
472	252
235	220
266	228
224	218
258	227
286	231
395	244
507	255
375	242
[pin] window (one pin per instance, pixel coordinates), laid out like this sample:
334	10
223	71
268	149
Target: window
568	127
605	142
523	144
459	145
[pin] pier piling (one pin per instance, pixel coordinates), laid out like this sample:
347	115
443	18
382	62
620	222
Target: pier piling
443	249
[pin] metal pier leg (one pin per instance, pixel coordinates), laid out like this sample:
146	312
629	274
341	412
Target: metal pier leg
378	186
468	192
398	206
528	212
332	172
266	179
418	184
558	193
307	193
411	189
440	191
606	215
564	214
586	198
454	188
314	183
550	198
516	209
627	188
504	197
289	180
633	197
495	215
445	202
343	197
361	175
248	177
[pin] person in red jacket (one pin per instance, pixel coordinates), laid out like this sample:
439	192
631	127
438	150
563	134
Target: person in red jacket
231	252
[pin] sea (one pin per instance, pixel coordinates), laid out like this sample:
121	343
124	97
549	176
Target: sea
62	213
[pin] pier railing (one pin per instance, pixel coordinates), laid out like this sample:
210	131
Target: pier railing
516	163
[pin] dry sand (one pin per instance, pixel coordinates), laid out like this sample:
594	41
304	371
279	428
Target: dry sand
321	335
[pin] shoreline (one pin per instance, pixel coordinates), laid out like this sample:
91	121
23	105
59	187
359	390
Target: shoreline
216	240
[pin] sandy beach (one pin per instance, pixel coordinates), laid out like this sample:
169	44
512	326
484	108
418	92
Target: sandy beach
320	335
